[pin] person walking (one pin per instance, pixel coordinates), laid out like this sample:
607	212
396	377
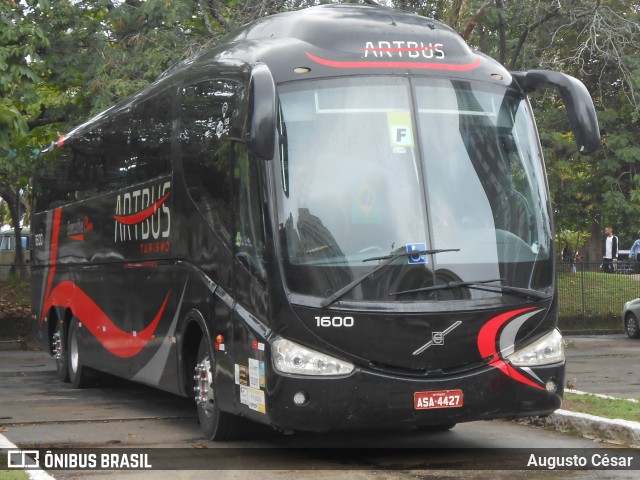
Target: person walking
609	250
634	254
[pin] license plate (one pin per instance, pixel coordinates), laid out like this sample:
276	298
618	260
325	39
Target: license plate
437	399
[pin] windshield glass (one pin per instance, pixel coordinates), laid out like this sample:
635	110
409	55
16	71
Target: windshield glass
373	167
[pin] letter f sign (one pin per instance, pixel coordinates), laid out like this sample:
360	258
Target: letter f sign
401	133
401	136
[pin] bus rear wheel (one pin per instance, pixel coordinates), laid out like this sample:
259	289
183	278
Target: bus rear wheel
79	375
215	424
59	350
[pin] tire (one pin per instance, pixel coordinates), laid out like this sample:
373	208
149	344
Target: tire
215	424
631	326
59	351
79	375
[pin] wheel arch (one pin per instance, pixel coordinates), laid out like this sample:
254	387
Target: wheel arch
194	328
54	315
52	318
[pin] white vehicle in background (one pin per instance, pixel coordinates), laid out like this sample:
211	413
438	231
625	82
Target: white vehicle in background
8	251
630	315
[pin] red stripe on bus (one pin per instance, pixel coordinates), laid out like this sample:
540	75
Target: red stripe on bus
489	332
487	345
512	372
53	257
117	341
143	215
419	65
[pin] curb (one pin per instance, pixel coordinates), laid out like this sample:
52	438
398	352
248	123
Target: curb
618	431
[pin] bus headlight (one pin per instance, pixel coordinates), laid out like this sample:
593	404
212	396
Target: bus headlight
544	351
289	357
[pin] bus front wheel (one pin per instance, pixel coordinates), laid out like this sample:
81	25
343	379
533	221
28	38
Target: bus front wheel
215	424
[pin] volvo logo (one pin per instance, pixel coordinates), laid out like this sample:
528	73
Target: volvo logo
437	338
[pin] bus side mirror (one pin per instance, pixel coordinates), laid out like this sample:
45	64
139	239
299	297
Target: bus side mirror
262	113
580	109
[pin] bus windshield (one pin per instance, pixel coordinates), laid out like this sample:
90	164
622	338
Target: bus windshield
374	167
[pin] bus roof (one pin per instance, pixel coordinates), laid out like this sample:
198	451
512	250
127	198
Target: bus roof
333	40
336	40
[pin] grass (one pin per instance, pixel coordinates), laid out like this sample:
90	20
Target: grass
602	407
603	294
10	474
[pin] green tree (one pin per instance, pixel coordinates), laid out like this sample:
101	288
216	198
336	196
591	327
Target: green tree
21	38
598	42
99	51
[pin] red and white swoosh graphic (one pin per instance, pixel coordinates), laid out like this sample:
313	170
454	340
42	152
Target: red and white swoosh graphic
118	342
67	294
142	215
420	65
487	345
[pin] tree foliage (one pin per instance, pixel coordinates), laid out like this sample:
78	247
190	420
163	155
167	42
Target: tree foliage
21	38
597	41
63	61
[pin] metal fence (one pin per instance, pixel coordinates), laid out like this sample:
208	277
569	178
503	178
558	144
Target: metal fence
589	299
8	270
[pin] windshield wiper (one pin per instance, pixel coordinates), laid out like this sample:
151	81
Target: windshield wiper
481	285
411	254
389	259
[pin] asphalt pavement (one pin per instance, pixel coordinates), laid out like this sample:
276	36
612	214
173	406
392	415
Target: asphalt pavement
596	364
603	364
607	365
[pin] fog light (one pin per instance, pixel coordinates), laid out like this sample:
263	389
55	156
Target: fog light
551	386
300	399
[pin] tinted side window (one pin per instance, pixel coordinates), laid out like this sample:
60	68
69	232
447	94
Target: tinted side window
210	115
131	147
51	186
250	240
93	162
150	140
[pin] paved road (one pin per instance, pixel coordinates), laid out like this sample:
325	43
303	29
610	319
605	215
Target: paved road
36	410
32	401
604	364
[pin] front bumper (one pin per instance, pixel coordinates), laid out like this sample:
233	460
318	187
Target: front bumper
368	398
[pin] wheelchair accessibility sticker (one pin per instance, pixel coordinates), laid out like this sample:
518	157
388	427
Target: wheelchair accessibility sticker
417	258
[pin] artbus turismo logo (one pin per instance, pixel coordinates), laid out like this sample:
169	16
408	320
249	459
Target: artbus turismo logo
144	215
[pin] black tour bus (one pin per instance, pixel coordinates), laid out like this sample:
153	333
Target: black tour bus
334	218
